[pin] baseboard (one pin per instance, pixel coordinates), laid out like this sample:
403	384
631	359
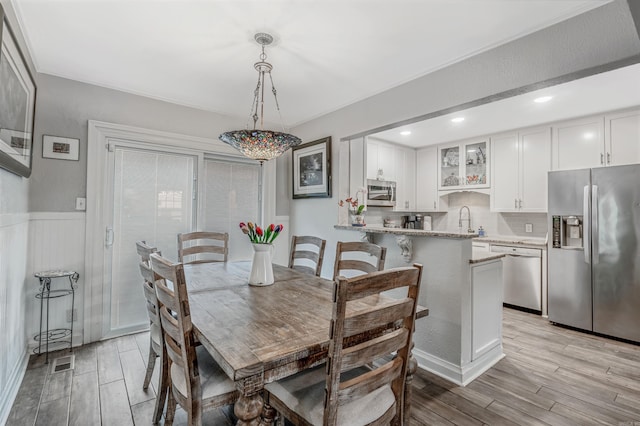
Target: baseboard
460	375
9	393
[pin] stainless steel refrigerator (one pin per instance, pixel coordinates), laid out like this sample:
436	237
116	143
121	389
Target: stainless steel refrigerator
594	250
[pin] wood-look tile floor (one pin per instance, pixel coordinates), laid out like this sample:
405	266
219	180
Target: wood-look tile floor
550	376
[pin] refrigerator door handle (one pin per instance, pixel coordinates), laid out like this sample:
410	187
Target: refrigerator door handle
585	223
594	218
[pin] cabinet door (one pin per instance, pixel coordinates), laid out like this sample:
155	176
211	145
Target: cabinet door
386	161
578	144
535	162
427	179
372	159
406	179
505	154
476	172
449	159
622	136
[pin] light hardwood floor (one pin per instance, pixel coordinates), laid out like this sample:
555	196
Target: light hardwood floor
551	375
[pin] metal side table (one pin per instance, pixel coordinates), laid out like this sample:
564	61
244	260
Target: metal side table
58	336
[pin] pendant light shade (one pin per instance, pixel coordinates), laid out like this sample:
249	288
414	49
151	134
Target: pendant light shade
261	144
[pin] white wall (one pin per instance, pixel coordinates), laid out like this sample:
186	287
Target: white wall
562	52
14	281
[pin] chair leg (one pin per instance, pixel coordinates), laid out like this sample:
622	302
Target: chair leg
194	414
151	363
171	409
163	387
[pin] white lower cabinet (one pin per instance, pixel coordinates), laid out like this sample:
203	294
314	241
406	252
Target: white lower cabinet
486	307
519	166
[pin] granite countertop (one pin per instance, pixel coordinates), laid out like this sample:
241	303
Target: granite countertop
514	240
409	232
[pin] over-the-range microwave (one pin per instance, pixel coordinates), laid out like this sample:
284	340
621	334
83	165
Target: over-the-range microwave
381	193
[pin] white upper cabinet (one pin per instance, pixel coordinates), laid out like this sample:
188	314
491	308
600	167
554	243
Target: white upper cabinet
622	138
579	144
463	165
427	197
381	162
405	168
519	165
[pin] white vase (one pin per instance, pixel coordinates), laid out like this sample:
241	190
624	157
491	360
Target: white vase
261	268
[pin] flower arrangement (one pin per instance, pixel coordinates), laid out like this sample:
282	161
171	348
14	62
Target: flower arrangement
258	235
352	202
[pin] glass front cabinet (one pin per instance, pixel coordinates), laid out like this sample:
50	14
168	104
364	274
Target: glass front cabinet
463	165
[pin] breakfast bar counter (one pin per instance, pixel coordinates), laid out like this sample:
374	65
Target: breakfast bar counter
462	336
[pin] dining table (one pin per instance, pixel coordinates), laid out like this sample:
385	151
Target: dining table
260	334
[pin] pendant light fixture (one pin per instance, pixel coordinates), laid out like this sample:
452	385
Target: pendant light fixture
258	143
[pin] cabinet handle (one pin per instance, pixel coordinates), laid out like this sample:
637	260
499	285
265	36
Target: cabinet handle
608	158
519	204
434	204
515	203
601	158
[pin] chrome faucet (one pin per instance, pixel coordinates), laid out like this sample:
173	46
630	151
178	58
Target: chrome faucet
469	229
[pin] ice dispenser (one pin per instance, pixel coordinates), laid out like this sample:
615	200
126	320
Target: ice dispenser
567	232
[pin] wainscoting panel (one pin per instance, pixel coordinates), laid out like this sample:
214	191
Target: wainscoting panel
56	241
13	362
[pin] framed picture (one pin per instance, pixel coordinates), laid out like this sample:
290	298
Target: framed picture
17	105
60	148
312	169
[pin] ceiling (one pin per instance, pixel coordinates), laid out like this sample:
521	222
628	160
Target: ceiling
326	54
608	91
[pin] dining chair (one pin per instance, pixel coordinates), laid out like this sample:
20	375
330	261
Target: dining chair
203	247
347	390
197	381
358	249
300	258
156	342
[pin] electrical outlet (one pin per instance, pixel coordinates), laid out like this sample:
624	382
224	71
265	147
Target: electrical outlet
528	227
81	203
75	315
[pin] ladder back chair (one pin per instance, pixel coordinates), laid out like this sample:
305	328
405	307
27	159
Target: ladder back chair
346	391
203	247
156	342
307	256
197	381
350	263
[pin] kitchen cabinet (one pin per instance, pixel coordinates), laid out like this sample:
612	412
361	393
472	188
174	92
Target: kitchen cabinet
463	165
622	138
519	165
579	144
381	162
405	167
427	197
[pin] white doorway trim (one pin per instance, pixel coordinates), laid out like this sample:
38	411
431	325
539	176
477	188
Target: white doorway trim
100	133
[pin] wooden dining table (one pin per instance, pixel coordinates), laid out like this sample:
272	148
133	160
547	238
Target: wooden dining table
259	334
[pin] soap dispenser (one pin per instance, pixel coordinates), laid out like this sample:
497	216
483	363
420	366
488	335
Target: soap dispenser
481	232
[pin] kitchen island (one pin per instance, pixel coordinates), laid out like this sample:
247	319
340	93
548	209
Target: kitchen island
462	336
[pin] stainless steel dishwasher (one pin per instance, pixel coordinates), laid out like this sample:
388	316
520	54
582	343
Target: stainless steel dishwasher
521	275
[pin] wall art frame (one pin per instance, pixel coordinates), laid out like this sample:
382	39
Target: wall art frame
17	104
60	148
312	169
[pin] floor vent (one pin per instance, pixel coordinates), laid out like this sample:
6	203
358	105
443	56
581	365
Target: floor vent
64	363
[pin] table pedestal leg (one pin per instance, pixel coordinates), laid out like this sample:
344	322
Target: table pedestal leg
248	410
268	415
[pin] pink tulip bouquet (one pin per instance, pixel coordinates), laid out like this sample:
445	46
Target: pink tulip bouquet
258	235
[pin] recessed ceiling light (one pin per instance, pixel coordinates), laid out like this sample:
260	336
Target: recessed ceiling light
405	132
457	120
543	99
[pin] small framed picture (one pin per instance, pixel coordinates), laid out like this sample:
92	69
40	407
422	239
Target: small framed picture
312	169
60	148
